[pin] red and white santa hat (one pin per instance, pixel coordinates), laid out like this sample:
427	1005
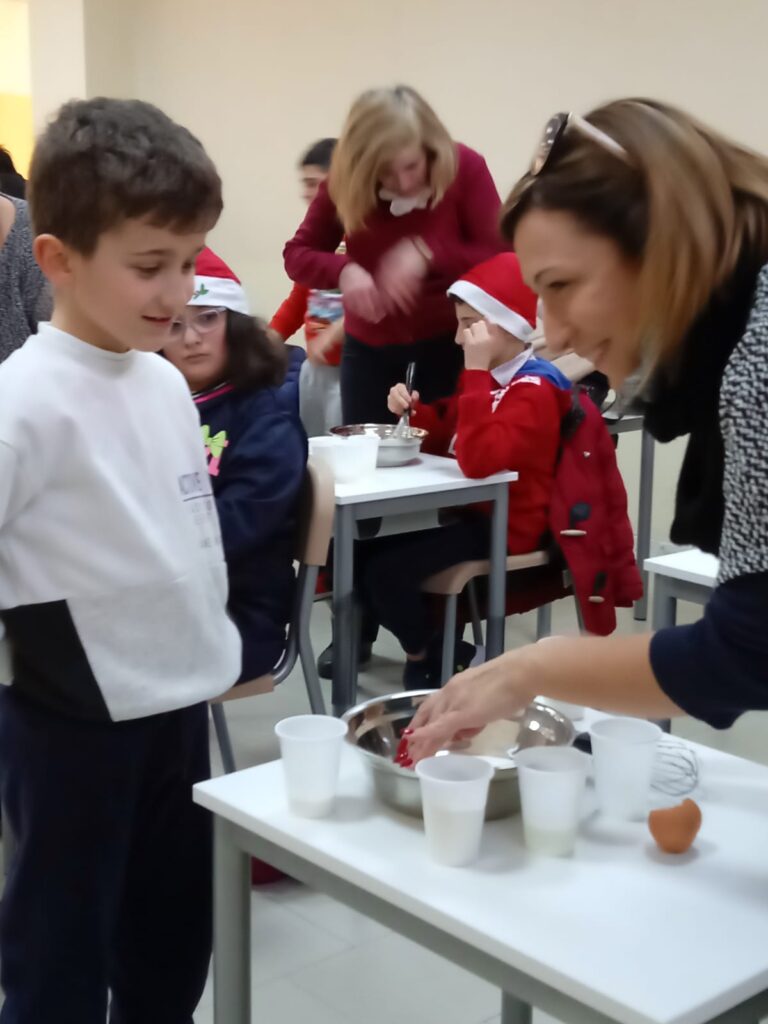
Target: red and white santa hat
217	285
496	289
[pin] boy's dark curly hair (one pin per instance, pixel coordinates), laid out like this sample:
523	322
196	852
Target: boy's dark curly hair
101	161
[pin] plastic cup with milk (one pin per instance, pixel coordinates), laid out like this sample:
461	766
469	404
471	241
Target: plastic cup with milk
552	783
310	749
454	792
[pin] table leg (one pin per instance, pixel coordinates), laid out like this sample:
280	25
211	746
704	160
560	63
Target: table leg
663	615
543	621
344	620
231	928
514	1011
494	639
644	512
664	604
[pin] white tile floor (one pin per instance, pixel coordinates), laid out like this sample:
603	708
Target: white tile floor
314	959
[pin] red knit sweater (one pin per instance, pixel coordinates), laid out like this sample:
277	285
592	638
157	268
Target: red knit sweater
292	312
461	231
492	428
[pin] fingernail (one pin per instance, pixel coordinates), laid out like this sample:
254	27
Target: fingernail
407	732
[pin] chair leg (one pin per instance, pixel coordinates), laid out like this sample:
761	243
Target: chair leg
222	735
311	678
543	621
579	616
474	609
449	638
306	653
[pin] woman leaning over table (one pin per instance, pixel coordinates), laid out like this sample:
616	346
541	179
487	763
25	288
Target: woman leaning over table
417	210
646	235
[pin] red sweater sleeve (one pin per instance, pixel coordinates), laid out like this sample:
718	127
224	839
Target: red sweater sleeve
310	256
478	206
439	418
290	316
512	437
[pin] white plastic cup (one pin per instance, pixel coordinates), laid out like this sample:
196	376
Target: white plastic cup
348	458
310	748
623	753
454	792
552	783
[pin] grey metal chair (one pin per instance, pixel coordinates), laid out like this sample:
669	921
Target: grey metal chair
313	540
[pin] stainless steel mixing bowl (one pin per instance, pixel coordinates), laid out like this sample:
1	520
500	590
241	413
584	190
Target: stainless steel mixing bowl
393	450
376	726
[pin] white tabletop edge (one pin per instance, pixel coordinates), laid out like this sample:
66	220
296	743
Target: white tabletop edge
690	566
430	474
209	794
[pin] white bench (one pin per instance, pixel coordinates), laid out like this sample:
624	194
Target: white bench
682	576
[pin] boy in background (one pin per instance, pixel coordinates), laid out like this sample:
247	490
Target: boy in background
320	313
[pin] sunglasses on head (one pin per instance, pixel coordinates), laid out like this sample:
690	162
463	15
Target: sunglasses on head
555	131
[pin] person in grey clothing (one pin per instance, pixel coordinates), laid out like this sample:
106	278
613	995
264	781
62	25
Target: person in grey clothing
25	298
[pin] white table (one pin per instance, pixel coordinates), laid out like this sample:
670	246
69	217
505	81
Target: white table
628	424
618	933
680	576
429	483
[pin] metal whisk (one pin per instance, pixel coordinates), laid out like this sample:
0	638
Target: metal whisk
676	771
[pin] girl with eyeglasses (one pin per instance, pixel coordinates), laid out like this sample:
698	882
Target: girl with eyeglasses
256	448
645	233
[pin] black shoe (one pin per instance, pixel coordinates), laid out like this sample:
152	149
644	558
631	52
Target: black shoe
325	661
421	675
425	674
462	659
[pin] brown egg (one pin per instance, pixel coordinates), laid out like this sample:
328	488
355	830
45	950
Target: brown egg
675	828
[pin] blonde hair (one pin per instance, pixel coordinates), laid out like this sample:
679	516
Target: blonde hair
686	205
380	123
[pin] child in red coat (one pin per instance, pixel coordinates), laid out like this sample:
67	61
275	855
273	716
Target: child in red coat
505	415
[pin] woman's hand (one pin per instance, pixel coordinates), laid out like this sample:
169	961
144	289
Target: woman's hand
400	274
361	295
468	702
400	401
481	345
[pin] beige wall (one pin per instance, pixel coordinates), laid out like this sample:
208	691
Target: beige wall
15	82
57	54
258	79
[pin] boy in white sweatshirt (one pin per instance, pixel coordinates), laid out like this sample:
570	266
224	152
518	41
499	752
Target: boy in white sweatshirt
112	587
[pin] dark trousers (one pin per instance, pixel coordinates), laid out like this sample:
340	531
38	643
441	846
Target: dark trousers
392	569
110	886
368	373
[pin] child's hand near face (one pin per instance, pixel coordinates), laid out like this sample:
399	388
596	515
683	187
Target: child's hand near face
480	346
400	401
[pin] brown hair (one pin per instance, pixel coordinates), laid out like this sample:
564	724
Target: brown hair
381	122
686	204
101	161
255	359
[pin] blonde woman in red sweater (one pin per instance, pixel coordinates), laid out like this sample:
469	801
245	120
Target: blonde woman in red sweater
417	210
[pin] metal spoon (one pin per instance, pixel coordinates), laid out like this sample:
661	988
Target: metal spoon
404	423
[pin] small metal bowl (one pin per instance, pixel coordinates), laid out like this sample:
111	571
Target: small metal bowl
376	726
393	450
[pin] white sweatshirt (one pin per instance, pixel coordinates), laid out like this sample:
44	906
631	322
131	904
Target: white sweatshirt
113	583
